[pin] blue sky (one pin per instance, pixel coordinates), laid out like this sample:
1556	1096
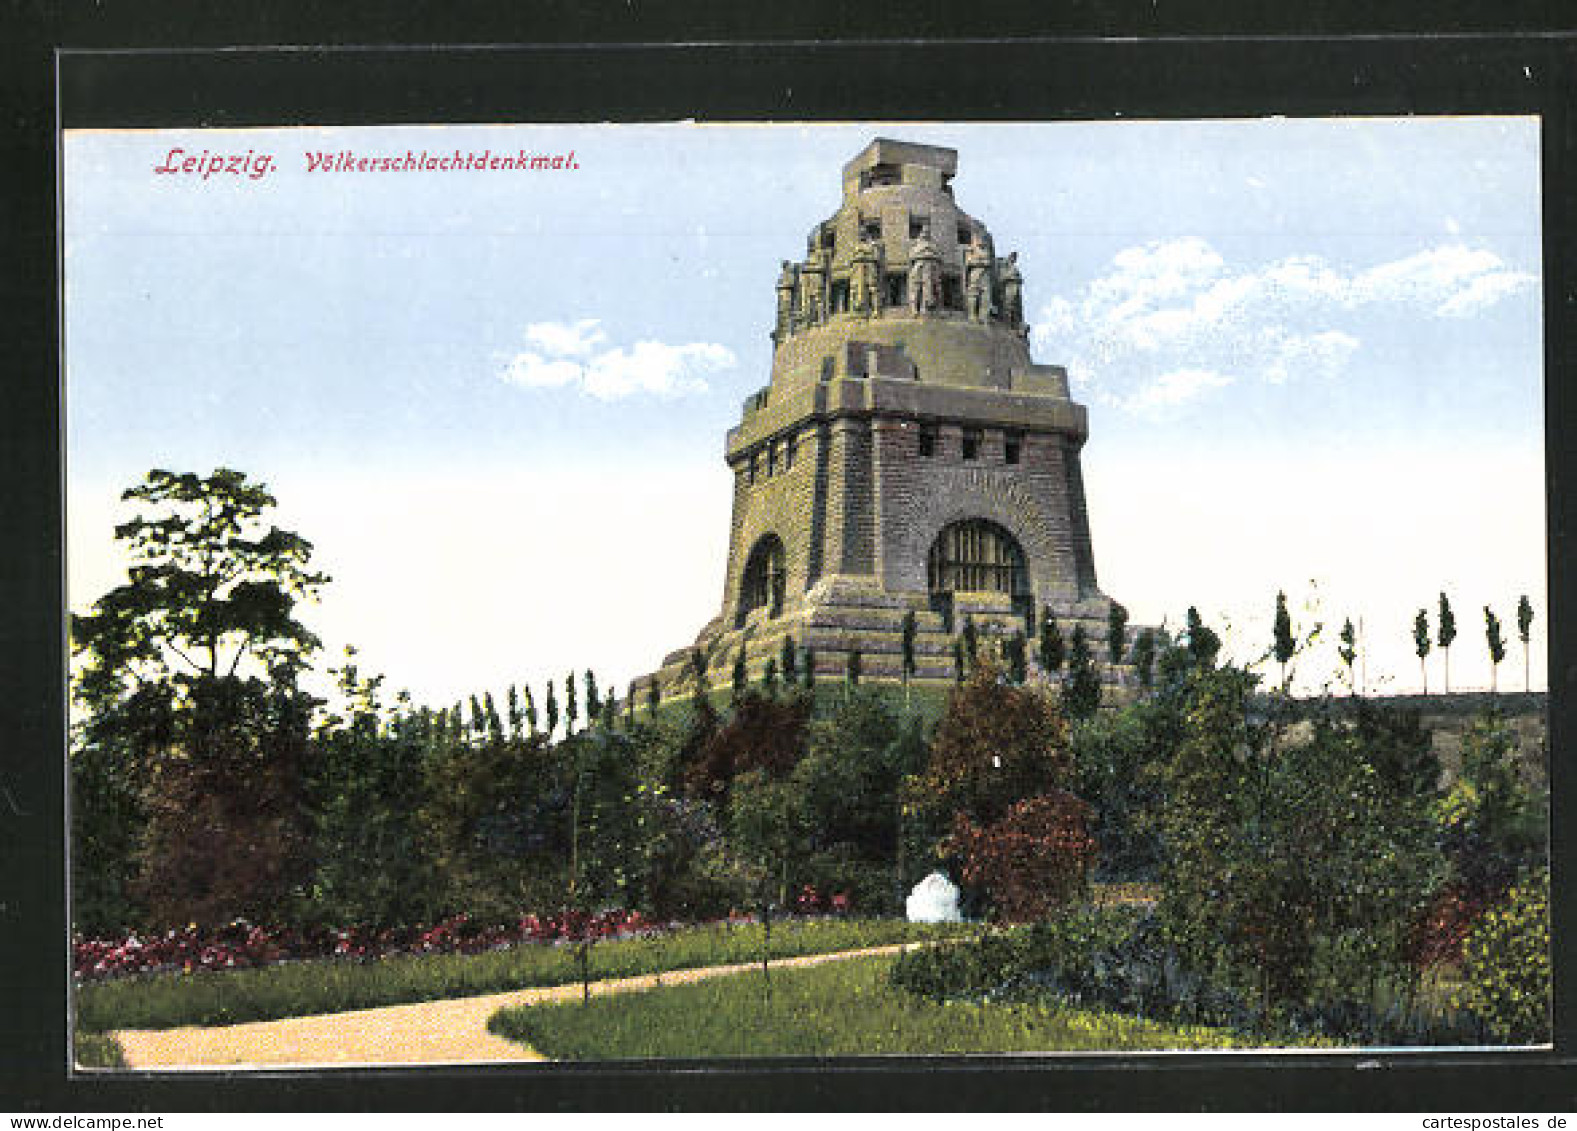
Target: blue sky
496	400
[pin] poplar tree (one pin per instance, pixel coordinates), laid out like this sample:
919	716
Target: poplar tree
553	710
1497	647
971	642
593	698
741	675
1524	629
1349	653
531	710
1421	644
769	677
1081	695
958	660
1144	657
1116	633
909	629
1053	652
1018	663
810	669
853	670
514	714
654	695
571	707
790	661
1284	645
1203	643
1447	633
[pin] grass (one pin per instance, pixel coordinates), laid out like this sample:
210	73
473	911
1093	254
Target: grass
331	986
845	1008
98	1050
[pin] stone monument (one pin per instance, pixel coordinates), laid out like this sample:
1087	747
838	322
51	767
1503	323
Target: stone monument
908	455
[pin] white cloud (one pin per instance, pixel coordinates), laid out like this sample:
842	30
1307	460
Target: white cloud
1143	336
1172	389
571	354
560	339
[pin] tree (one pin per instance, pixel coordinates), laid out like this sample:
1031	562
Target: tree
1524	630
810	669
1447	633
186	679
1284	645
910	627
1081	695
769	677
1116	633
593	699
1018	666
971	638
654	696
789	661
553	710
697	670
1348	651
571	709
531	710
1497	647
1144	651
1203	643
852	672
741	674
1421	645
1052	651
958	660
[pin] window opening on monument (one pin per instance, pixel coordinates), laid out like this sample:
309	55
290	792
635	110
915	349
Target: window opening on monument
964	236
928	439
919	226
840	296
765	579
976	556
828	367
971	443
879	176
1012	444
871	230
952	293
897	282
788	453
772	458
754	467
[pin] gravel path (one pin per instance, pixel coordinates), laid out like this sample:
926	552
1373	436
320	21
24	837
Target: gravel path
429	1032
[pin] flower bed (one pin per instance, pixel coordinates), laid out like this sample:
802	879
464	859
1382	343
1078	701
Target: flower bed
242	945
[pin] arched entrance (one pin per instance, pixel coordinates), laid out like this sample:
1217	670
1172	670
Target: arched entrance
977	556
764	580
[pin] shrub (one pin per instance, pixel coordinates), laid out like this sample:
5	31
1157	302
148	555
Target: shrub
1033	859
1506	964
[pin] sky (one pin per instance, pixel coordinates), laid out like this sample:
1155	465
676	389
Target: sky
495	400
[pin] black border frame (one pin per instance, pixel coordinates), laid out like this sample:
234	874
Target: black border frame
119	67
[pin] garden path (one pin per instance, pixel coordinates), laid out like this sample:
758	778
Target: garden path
453	1031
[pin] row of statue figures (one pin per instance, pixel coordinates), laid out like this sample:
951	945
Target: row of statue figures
993	288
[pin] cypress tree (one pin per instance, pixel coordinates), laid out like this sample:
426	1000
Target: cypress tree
910	627
769	677
853	670
571	706
1283	644
1144	657
553	710
1081	695
1349	653
593	698
1421	645
1447	633
1524	630
790	661
1497	647
1018	664
1053	652
531	710
741	674
1116	633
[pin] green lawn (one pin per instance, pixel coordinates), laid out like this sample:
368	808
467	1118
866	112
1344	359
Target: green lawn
844	1008
329	986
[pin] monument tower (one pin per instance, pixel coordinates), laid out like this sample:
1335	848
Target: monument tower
908	455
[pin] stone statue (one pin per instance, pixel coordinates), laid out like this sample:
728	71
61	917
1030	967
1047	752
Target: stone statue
865	281
925	276
813	288
1012	289
977	283
788	283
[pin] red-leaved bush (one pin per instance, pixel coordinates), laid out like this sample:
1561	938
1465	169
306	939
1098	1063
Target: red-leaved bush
1035	858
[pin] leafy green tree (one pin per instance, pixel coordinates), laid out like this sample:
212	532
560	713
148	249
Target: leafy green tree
958	661
1494	820
971	638
1284	645
1447	632
1506	964
1421	645
1081	694
593	699
810	670
697	673
1524	630
1116	633
185	678
1348	652
1203	643
1497	647
513	708
571	708
852	672
769	677
553	710
654	696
